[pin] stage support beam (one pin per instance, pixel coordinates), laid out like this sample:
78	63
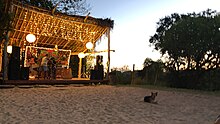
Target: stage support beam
109	50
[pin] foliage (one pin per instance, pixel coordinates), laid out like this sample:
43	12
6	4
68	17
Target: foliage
70	7
5	21
122	69
46	4
192	42
118	77
152	70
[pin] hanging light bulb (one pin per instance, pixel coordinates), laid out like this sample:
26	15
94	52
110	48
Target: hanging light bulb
56	47
30	38
89	45
9	49
81	55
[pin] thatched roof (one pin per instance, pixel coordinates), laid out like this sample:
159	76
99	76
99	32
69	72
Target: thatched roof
68	32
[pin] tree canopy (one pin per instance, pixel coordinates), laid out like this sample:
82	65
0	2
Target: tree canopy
70	7
5	21
192	41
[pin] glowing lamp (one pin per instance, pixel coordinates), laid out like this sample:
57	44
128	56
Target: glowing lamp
56	47
81	55
30	38
9	49
89	45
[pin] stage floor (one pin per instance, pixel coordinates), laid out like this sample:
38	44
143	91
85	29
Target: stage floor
59	81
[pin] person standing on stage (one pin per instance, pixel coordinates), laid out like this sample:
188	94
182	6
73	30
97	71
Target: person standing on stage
44	65
53	68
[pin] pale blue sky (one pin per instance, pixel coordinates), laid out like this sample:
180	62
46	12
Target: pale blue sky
135	21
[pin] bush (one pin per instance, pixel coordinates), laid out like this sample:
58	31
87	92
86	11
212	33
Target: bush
118	77
191	79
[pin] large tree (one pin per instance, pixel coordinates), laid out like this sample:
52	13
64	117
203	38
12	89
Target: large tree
192	41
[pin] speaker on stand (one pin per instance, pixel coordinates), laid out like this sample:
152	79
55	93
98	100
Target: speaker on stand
14	64
74	65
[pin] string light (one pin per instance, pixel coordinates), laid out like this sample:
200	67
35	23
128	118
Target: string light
70	29
65	28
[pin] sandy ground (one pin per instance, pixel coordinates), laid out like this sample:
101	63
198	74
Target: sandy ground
104	105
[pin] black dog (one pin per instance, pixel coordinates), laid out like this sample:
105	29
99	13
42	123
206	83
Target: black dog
151	99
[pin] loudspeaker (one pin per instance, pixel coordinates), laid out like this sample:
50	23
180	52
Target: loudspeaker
100	72
15	55
74	65
14	69
97	73
14	64
25	73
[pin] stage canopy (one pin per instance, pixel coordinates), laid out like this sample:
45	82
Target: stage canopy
65	31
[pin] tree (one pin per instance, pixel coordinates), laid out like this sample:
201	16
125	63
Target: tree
46	4
5	27
152	69
124	68
5	21
148	62
192	41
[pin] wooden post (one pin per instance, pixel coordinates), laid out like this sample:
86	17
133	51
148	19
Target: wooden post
80	67
108	63
132	74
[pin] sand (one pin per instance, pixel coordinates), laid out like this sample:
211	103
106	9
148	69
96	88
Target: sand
104	104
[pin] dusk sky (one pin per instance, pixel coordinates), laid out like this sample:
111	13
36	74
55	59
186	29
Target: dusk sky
135	21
